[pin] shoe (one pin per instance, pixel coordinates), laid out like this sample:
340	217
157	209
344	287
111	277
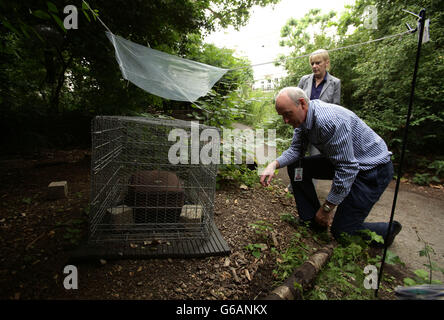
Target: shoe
289	189
396	228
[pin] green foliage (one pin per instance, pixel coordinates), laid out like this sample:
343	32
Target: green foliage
425	276
238	174
296	34
225	103
233	159
233	12
262	228
392	258
218	110
284	132
290	218
27	200
297	286
256	249
258	107
424	179
74	231
53	81
291	258
376	78
343	275
438	165
421	277
372	237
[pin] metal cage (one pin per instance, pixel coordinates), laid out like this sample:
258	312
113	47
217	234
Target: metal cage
137	194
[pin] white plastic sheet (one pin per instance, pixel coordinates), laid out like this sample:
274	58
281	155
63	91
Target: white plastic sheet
163	74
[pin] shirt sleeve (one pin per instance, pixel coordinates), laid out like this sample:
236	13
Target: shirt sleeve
293	153
338	147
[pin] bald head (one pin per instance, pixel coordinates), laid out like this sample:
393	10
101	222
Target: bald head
294	93
292	105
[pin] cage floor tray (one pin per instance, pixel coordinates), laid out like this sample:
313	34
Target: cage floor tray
215	245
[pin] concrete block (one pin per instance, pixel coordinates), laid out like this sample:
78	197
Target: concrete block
57	190
191	213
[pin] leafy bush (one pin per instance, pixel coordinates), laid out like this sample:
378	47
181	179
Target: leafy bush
424	179
438	165
376	78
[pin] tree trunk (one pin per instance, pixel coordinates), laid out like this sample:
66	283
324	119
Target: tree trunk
303	277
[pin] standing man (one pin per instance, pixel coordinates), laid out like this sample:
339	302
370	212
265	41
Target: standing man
353	156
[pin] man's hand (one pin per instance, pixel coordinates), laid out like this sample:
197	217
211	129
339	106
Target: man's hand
324	218
268	173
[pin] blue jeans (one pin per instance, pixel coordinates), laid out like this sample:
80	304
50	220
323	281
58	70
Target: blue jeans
353	210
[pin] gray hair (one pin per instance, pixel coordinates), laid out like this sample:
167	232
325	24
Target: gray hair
294	93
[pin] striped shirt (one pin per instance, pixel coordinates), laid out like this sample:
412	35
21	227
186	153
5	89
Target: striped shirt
343	138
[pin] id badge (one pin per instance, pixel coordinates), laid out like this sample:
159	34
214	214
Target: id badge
298	174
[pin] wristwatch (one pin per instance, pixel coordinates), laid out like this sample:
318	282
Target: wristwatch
326	207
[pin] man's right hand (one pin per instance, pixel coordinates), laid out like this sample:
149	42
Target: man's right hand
268	173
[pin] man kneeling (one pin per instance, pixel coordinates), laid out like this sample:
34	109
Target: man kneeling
353	156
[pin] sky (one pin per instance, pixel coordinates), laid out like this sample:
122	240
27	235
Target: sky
259	39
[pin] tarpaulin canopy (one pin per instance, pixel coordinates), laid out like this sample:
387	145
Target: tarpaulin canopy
163	74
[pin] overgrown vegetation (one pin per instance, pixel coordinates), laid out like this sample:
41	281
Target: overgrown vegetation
295	255
343	277
264	231
425	276
53	81
376	78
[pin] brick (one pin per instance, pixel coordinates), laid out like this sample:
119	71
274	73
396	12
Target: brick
191	213
57	190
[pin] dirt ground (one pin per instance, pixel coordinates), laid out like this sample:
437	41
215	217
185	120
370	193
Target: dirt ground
37	236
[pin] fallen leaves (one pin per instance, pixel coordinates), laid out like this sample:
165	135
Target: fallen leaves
247	274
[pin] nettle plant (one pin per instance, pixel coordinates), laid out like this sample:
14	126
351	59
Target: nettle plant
264	230
424	276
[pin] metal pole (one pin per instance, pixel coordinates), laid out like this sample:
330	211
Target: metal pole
421	23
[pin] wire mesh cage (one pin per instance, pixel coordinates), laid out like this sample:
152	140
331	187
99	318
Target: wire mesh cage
137	193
